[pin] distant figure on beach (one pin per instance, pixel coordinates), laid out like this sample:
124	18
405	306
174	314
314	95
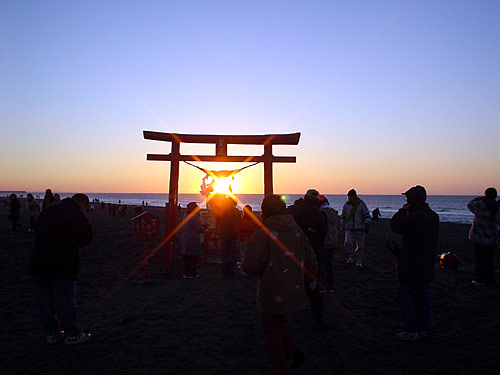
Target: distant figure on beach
61	231
33	211
122	211
248	226
57	198
376	214
314	225
419	226
191	243
331	241
48	199
354	221
229	222
281	269
14	208
484	234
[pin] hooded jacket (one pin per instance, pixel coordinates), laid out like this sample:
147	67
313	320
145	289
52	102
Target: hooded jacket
311	220
419	227
61	230
332	235
281	278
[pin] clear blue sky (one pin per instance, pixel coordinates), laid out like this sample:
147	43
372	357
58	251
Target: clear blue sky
387	94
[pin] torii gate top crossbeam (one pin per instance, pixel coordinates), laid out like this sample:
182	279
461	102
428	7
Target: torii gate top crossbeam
274	139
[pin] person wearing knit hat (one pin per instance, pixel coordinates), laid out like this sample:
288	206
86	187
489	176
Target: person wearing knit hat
279	254
354	222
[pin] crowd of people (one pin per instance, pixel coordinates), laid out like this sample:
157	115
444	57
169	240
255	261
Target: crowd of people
289	249
292	254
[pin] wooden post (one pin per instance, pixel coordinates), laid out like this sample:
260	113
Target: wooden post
173	198
268	169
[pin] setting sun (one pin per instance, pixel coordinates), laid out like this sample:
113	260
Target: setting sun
223	185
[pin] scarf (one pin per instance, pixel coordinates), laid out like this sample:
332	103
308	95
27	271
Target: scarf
353	209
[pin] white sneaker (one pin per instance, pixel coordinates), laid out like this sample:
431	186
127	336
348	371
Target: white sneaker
72	340
350	260
359	264
407	336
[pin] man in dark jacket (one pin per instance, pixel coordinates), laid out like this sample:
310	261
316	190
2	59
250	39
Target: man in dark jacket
314	224
61	230
419	226
229	223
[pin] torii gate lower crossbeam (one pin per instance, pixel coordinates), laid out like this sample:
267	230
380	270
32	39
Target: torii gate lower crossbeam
220	142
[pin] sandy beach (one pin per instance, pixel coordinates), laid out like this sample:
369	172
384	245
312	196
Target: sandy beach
212	326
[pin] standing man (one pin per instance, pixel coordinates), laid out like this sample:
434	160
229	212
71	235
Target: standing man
279	254
62	229
314	224
354	222
419	226
229	224
484	233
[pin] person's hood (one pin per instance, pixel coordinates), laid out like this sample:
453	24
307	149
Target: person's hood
68	202
281	223
329	212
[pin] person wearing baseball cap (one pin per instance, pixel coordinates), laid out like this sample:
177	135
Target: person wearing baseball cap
419	226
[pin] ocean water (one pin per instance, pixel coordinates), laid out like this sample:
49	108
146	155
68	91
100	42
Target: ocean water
450	208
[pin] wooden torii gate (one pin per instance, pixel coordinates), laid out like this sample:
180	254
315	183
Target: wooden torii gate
220	142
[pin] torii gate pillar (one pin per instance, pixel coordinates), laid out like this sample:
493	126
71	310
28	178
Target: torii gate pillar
221	142
268	169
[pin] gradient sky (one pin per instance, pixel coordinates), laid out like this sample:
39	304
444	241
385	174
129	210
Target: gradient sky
386	94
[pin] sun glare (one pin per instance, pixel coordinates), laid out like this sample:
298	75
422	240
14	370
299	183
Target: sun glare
222	185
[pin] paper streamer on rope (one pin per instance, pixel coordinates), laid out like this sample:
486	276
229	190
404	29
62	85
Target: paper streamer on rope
207	186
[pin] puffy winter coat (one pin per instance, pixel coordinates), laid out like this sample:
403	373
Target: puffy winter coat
485	226
277	258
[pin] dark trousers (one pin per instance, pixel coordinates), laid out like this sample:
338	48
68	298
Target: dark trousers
57	305
316	301
415	306
485	265
15	224
325	264
190	263
228	257
33	222
278	340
